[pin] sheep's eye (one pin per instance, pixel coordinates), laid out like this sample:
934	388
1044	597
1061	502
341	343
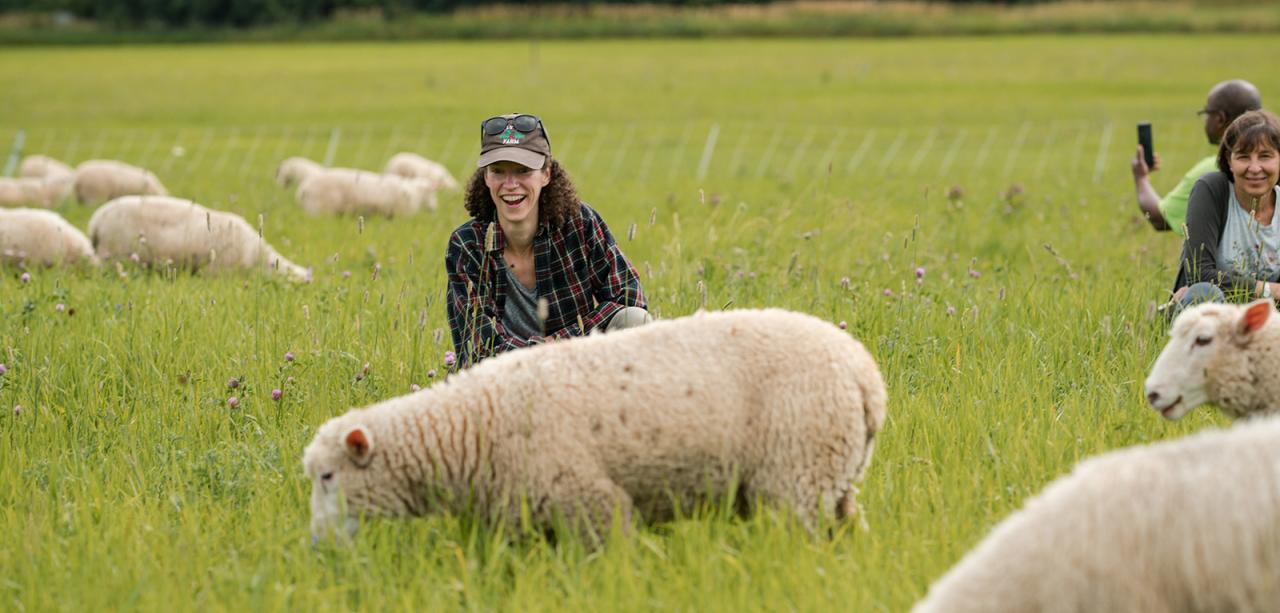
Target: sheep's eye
327	476
1201	341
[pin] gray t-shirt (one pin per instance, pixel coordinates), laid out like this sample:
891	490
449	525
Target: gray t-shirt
1249	247
520	313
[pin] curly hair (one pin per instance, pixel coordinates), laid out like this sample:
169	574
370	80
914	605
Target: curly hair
557	203
1248	132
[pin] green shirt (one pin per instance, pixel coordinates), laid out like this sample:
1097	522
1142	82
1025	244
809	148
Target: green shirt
1174	204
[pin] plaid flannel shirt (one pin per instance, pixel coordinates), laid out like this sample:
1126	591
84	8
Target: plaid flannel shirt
580	272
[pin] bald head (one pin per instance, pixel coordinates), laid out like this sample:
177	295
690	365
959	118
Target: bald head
1234	98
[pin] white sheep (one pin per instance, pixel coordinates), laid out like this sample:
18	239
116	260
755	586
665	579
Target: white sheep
97	181
414	166
41	191
1186	525
294	169
1225	354
40	166
783	405
360	192
160	229
43	237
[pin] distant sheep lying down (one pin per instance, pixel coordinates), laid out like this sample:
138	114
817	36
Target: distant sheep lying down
1186	525
97	181
41	166
293	170
414	166
39	191
43	237
160	229
360	192
783	404
1221	353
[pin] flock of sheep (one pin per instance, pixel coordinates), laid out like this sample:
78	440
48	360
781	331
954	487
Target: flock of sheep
775	407
140	221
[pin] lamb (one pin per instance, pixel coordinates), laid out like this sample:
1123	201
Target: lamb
783	405
1191	524
41	191
40	166
40	236
414	166
360	192
158	229
97	181
1225	354
293	170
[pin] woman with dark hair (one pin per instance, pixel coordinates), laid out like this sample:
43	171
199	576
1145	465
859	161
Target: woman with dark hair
533	263
1233	239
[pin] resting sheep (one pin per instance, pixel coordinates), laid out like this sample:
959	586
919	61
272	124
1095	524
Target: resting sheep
293	170
159	229
414	166
97	181
1225	354
360	192
40	166
784	405
1186	525
41	191
44	237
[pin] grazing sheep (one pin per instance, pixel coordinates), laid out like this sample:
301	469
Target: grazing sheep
784	405
414	166
1225	354
1186	525
360	192
41	191
293	170
43	237
100	180
39	166
159	229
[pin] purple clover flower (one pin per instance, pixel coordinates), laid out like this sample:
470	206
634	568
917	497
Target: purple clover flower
233	383
233	402
920	272
288	356
844	325
277	394
413	387
450	359
25	278
888	292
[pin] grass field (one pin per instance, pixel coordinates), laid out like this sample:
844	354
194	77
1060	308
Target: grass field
754	173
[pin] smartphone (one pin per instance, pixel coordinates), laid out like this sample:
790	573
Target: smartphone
1144	139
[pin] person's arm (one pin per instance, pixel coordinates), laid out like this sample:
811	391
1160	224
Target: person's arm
476	330
1148	199
614	282
1206	216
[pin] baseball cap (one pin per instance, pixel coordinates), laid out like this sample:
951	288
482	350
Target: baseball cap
515	137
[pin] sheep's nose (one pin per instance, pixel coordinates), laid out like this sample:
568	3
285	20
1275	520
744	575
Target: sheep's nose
1153	398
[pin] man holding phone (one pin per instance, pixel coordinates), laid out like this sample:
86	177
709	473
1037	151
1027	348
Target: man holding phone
1226	101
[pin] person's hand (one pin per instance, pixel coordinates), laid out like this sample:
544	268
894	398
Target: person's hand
1139	165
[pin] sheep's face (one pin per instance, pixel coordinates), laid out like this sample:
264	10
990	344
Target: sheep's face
337	462
1178	380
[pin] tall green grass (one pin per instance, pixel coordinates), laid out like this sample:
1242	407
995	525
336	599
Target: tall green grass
128	482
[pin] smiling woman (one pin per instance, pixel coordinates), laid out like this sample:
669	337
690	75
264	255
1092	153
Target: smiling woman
1233	240
533	263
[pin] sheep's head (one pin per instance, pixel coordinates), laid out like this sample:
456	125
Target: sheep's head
1205	337
338	463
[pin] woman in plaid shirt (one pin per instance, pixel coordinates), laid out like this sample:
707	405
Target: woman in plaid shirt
533	263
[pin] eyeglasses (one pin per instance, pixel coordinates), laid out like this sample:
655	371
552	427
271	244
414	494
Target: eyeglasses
494	126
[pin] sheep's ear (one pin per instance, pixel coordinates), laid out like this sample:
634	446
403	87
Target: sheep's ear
1255	316
359	447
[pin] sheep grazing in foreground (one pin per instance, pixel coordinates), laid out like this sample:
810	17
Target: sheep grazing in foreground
39	191
784	405
1225	354
293	170
161	229
98	181
41	166
360	192
1186	525
414	166
43	237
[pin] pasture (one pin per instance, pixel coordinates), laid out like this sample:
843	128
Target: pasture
811	175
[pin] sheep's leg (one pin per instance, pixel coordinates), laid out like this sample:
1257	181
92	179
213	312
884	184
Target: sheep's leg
589	504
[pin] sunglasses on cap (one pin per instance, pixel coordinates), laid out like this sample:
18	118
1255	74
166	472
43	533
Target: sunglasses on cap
524	124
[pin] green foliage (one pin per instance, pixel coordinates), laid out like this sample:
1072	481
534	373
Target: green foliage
127	482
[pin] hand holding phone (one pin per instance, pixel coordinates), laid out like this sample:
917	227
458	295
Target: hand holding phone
1148	150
